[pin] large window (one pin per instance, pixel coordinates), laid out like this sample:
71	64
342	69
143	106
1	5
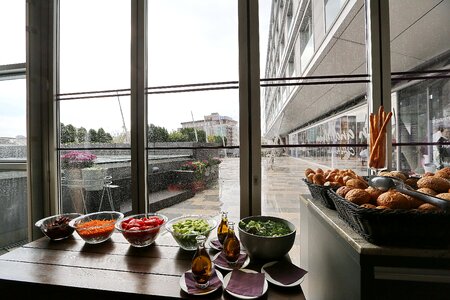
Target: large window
94	106
420	82
13	133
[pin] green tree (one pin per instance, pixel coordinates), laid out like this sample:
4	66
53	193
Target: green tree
190	134
93	136
101	136
176	136
68	134
157	134
81	134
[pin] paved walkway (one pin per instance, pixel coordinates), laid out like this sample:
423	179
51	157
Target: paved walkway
281	187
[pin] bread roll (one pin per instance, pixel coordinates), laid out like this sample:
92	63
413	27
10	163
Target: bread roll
343	190
319	179
358	196
443	173
393	199
413	202
440	185
445	196
374	193
427	191
428	207
412	182
357	183
309	171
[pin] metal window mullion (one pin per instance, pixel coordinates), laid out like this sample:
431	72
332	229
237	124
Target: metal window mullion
249	109
139	105
379	61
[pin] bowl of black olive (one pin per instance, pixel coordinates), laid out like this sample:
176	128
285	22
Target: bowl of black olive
266	237
57	227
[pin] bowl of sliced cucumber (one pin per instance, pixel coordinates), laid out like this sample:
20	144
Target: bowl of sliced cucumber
185	229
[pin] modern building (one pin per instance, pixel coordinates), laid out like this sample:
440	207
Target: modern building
217	125
317	38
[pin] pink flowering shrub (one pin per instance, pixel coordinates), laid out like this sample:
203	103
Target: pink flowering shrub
77	159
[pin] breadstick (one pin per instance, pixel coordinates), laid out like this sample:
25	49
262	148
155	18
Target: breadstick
379	137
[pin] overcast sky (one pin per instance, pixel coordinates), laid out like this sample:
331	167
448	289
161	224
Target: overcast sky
189	42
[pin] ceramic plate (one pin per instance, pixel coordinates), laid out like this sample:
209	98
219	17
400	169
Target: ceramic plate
185	289
246	262
227	277
271	280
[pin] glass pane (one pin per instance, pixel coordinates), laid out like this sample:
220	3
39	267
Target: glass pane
12	32
94	45
13	120
13	208
420	84
94	180
95	122
196	124
313	88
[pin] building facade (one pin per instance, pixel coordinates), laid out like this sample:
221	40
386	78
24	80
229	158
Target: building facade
313	41
217	125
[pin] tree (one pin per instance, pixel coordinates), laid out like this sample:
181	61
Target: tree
176	136
190	134
101	136
68	134
81	135
93	136
157	134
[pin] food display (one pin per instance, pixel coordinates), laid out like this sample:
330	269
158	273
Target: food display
271	228
96	227
57	227
141	230
185	229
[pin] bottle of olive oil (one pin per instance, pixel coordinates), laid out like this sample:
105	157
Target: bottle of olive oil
201	264
231	245
222	229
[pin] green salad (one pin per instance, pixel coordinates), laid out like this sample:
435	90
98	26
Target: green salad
186	231
265	228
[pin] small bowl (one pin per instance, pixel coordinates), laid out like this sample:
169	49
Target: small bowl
264	247
96	227
144	235
57	227
187	239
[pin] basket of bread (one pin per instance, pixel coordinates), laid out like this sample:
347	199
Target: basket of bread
319	181
390	217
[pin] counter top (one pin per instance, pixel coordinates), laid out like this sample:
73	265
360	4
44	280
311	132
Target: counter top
72	269
358	243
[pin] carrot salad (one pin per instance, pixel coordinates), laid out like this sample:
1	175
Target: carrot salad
95	227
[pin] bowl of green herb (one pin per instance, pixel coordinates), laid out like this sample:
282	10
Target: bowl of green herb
186	228
266	237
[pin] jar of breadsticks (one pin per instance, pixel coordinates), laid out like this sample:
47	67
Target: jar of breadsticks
377	143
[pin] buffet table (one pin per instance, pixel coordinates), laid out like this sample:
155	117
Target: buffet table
71	269
342	265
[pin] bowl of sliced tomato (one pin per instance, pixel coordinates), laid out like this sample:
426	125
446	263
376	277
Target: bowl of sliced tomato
141	230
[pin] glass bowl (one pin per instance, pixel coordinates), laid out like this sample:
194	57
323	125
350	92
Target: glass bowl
141	230
186	228
96	227
57	227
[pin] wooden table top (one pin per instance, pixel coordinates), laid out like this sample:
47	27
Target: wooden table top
72	269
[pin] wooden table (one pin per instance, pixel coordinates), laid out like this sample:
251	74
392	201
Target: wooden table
72	269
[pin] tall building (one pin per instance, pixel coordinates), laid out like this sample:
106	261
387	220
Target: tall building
217	125
319	38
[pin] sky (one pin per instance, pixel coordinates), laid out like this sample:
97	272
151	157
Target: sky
189	42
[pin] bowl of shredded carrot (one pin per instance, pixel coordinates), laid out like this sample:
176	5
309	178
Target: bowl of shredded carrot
96	227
